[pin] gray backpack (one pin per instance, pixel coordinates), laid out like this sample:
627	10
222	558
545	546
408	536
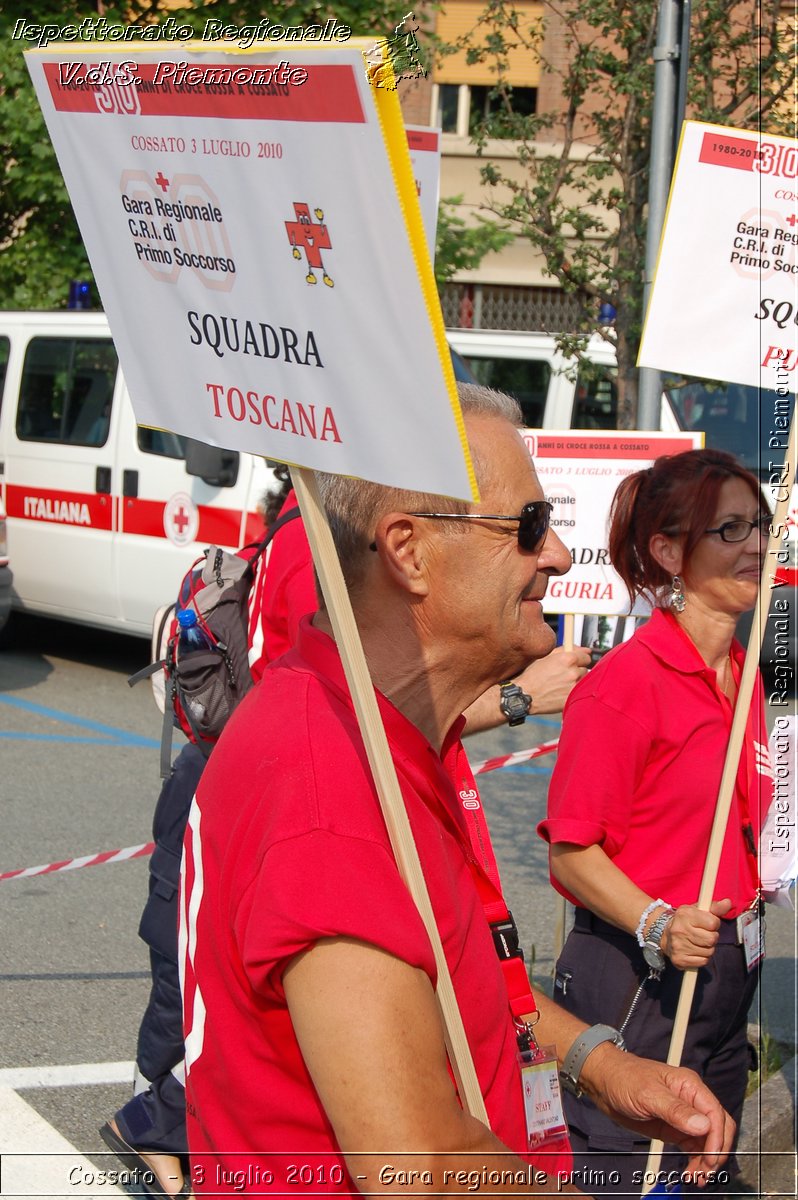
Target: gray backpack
205	681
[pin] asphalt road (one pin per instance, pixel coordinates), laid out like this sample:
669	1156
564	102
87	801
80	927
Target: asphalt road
80	775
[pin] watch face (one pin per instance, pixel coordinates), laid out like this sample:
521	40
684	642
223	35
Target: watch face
515	704
653	956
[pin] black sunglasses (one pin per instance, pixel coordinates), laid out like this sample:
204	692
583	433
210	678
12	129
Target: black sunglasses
740	531
533	523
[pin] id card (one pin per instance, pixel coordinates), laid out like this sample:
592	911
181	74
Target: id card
752	928
542	1101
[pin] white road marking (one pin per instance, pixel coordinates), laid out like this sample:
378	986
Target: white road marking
73	1075
38	1161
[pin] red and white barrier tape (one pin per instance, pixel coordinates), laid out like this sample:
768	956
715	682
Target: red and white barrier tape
88	860
509	760
110	856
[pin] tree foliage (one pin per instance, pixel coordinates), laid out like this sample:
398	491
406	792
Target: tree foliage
40	245
580	196
461	247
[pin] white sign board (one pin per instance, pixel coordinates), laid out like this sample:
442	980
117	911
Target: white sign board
579	474
425	157
245	225
725	295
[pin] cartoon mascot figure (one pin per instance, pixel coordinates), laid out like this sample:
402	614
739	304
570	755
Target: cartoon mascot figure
312	238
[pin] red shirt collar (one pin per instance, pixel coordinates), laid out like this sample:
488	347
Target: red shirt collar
667	641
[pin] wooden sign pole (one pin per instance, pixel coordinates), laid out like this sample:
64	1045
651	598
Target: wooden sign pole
561	904
339	610
729	776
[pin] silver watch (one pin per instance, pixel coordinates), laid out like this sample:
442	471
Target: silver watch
652	951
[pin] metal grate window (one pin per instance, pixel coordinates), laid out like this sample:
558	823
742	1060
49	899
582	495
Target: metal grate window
486	306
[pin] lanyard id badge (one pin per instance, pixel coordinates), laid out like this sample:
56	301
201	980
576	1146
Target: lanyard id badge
542	1101
751	928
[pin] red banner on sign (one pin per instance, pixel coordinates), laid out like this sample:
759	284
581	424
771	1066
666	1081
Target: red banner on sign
264	92
724	151
640	448
418	140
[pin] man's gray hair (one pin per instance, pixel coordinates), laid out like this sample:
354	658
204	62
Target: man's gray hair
354	506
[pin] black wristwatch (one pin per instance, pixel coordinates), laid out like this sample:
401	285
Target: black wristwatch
514	702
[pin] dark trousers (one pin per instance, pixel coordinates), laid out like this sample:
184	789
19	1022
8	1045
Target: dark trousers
597	975
155	1118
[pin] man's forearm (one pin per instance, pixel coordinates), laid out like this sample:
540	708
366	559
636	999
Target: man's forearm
651	1098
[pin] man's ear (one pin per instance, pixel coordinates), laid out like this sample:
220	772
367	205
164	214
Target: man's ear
667	552
400	540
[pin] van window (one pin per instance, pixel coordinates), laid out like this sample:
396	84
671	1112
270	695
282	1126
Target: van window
5	348
67	390
527	380
595	400
749	422
161	442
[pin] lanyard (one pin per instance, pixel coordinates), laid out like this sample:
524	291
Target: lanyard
485	873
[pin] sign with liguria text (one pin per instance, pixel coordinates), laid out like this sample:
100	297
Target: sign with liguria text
252	222
579	473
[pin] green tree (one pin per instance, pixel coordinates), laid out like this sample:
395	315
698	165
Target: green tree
461	247
581	196
40	245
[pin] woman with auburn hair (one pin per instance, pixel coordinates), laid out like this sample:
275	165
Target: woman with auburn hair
633	795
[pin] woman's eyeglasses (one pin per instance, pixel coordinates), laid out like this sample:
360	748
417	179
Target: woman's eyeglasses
739	531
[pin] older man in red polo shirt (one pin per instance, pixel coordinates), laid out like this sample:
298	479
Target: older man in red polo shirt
315	1052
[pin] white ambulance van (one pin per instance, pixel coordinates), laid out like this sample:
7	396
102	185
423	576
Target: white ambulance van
103	517
5	573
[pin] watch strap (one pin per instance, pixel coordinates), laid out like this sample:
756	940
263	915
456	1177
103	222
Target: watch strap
584	1045
658	928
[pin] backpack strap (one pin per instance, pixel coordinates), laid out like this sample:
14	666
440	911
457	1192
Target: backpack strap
146	672
278	524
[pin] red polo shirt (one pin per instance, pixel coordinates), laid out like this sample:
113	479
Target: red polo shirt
639	762
286	845
284	591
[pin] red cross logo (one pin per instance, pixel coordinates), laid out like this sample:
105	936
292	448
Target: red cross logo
162	181
181	519
312	238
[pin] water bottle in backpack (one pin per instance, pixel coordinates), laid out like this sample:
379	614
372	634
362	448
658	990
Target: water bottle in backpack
191	634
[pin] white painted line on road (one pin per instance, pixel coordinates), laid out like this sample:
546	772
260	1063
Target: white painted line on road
75	1075
38	1161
